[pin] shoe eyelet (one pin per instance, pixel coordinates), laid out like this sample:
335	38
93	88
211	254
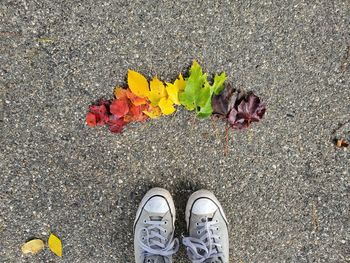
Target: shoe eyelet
143	238
198	232
165	222
164	230
145	221
217	229
197	224
216	221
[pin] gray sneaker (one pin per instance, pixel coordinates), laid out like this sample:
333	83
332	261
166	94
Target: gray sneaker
208	229
154	228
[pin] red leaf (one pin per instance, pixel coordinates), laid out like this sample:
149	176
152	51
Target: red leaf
136	113
115	124
119	107
91	119
100	112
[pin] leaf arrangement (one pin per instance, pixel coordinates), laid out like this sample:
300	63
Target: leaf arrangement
143	100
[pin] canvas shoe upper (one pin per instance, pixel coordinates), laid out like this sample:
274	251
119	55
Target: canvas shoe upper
208	229
154	228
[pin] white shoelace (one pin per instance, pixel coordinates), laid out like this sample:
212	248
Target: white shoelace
206	247
154	243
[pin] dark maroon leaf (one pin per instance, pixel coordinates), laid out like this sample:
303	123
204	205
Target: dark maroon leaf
240	109
248	110
225	101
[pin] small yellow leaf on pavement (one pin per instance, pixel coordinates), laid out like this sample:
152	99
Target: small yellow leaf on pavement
33	246
138	84
55	245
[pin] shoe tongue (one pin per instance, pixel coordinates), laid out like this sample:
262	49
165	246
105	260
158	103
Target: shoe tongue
156	218
205	219
155	259
215	260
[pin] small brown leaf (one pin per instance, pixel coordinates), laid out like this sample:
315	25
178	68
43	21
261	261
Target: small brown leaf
33	246
342	143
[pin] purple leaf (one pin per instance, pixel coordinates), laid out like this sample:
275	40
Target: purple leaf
240	109
225	101
249	110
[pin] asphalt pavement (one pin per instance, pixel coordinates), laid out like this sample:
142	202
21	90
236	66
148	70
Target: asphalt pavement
284	186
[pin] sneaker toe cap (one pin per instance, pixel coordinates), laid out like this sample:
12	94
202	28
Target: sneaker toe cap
157	204
204	206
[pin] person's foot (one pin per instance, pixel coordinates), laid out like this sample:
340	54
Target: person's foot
154	228
208	229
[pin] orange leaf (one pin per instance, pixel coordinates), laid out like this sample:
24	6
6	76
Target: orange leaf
134	99
120	93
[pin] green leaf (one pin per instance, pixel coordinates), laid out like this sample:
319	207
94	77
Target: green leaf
193	86
204	108
205	111
198	92
203	95
218	84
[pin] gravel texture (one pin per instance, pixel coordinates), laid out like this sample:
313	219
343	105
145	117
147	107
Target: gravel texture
283	184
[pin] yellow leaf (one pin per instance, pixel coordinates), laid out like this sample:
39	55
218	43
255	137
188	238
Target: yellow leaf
138	84
166	106
180	83
55	245
157	91
173	93
33	246
153	112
